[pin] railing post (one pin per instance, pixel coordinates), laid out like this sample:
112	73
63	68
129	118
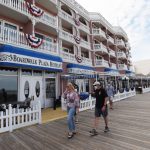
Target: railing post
39	109
10	118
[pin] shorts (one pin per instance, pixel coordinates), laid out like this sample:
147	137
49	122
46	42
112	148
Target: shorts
110	98
99	112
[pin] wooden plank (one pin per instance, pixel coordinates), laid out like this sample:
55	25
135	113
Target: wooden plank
129	124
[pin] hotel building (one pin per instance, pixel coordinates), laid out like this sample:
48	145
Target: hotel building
43	45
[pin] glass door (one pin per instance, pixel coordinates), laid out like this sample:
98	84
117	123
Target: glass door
50	91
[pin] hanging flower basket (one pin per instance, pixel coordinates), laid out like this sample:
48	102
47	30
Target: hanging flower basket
35	11
34	41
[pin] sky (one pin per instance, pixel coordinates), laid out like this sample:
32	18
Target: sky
132	15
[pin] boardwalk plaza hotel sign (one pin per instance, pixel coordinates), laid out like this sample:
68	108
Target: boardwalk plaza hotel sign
12	56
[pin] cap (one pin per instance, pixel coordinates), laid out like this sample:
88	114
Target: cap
96	83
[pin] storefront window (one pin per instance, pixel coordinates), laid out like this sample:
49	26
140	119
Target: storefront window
8	89
37	73
26	72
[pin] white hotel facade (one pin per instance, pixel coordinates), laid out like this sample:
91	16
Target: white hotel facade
45	44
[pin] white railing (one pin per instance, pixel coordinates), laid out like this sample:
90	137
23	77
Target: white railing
66	36
68	57
85	44
121	55
101	63
66	16
120	42
84	28
122	67
48	19
99	32
100	47
17	38
124	95
14	118
145	90
111	39
111	52
16	5
113	66
87	61
89	103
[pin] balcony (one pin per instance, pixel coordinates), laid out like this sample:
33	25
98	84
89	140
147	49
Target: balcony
113	66
85	44
48	20
87	61
99	32
84	28
100	47
120	43
112	52
66	36
121	55
17	38
53	1
19	5
66	16
68	57
110	40
122	67
101	63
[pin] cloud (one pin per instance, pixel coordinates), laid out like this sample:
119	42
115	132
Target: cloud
132	15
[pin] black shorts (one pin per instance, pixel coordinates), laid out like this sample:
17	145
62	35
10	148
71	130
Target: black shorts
99	112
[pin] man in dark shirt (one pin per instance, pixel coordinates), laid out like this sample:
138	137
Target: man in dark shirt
100	107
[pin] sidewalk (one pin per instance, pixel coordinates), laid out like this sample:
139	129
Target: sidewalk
129	125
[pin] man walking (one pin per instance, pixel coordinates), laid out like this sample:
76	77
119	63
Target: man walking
100	107
110	93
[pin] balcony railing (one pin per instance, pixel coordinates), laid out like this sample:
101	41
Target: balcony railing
98	32
112	53
16	5
87	61
66	36
122	67
48	19
21	7
113	66
100	47
120	43
101	63
110	39
66	16
68	57
85	44
84	28
121	55
17	38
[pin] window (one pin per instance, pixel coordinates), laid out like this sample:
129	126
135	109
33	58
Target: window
27	72
37	73
8	89
10	26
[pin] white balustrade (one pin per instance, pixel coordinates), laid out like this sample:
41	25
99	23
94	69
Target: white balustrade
120	42
111	39
67	36
68	57
99	32
84	28
66	16
87	61
18	38
101	63
100	47
122	67
112	52
113	66
121	55
85	44
54	1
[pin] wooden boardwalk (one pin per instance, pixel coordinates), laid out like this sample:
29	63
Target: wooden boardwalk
129	124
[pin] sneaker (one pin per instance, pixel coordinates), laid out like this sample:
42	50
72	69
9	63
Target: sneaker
70	135
106	129
93	132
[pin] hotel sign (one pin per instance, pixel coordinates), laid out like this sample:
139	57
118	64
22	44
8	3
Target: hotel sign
28	60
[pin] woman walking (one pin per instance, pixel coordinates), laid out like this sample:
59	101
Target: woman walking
72	100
